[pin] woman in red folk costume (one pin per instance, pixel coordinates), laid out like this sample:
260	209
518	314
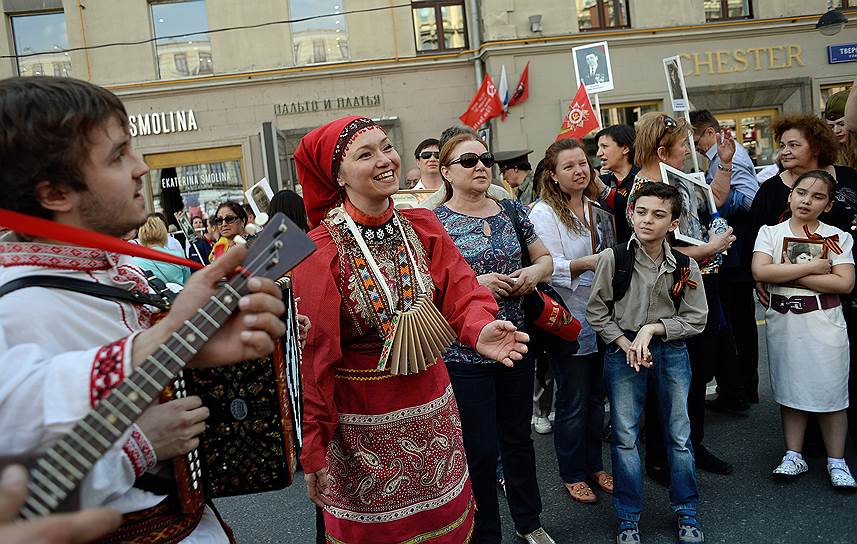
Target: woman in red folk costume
382	446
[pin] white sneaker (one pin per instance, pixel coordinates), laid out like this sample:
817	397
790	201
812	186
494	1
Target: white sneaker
841	477
791	467
543	425
539	536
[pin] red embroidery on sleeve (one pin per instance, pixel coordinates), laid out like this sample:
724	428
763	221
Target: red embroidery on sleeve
139	451
108	370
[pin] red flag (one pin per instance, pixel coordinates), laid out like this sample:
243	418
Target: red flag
580	119
522	91
484	106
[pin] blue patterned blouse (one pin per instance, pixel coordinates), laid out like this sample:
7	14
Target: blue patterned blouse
489	245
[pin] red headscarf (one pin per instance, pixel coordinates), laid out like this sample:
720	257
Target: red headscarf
318	158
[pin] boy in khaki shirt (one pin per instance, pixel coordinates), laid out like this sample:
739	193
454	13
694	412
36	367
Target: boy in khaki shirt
645	336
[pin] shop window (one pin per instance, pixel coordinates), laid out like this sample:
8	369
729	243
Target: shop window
829	90
41	40
439	26
323	36
616	114
602	14
195	181
181	28
719	10
753	130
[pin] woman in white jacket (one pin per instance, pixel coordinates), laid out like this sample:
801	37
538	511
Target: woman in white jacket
562	220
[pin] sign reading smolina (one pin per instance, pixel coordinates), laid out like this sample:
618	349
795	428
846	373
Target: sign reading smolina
146	124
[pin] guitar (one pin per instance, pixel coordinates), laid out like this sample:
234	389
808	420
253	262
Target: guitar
58	471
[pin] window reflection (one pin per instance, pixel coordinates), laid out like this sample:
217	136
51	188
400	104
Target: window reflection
182	41
324	37
202	187
599	14
43	40
434	19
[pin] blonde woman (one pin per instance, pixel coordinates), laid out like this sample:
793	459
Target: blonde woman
153	234
562	221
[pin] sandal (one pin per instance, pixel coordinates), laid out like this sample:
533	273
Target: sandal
604	480
840	477
581	492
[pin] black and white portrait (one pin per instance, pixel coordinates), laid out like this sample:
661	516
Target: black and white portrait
697	204
675	83
802	250
259	196
592	67
602	224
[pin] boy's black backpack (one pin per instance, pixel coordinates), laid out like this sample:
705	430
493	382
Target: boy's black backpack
624	254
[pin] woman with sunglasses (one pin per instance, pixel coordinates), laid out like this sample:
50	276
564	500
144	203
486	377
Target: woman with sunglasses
230	219
495	401
382	450
562	220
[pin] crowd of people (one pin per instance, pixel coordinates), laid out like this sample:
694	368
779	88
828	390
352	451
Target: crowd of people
393	454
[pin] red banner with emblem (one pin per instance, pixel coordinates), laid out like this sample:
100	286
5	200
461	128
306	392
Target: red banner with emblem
580	119
484	106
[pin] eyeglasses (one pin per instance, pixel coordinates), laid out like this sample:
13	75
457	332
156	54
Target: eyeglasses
670	123
229	219
469	160
424	155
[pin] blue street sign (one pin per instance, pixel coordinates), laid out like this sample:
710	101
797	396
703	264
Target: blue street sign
845	52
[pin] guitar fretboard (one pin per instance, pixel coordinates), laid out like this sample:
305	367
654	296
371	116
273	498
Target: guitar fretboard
59	470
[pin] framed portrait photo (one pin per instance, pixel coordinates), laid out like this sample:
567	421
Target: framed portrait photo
592	67
697	204
802	250
675	84
259	196
602	225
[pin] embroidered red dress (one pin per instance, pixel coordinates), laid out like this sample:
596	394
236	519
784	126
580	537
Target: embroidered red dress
392	444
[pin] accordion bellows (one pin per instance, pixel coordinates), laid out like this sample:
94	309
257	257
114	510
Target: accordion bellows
420	337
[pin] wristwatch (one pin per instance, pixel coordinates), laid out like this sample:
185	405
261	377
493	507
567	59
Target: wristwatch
723	168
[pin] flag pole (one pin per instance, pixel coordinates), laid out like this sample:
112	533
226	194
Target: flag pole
598	110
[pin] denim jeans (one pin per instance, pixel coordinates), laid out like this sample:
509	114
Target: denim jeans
579	414
496	405
669	379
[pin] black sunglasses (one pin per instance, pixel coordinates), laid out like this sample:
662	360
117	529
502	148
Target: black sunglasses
670	123
229	219
429	154
469	160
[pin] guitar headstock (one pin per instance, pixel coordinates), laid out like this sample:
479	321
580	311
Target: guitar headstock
280	246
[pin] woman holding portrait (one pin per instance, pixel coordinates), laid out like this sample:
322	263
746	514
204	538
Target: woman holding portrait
382	451
562	221
495	401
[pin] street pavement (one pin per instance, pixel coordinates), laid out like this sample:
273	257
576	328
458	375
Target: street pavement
746	507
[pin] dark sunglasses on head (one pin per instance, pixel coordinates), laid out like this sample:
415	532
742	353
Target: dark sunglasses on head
670	123
429	155
229	219
469	160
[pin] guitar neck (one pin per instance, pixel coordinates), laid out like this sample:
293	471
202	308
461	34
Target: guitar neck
60	469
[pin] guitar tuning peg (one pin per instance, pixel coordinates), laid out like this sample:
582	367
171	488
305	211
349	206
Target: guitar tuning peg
252	229
240	240
261	219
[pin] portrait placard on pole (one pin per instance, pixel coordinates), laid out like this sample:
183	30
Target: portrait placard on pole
592	67
675	83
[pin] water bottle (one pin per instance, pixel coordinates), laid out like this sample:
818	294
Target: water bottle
718	226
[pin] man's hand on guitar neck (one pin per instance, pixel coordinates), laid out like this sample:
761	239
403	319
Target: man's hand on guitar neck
54	529
250	332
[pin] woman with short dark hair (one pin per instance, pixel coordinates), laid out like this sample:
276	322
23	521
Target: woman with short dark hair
616	153
292	205
230	219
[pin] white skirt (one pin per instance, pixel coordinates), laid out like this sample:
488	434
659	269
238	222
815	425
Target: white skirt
808	359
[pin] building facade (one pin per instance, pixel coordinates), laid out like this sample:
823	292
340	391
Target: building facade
220	92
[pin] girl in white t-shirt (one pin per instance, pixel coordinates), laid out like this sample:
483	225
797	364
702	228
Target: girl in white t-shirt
806	334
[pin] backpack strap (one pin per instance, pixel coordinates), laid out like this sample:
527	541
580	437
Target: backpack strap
624	258
87	288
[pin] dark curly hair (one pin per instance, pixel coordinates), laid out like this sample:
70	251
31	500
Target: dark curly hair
46	126
821	140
